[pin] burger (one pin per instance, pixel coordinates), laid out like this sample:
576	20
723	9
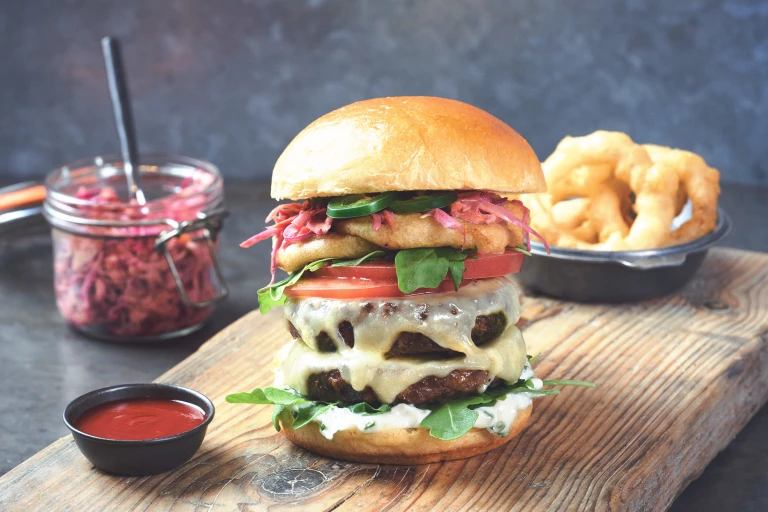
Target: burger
399	241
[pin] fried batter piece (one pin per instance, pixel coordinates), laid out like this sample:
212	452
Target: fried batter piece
356	237
411	231
330	245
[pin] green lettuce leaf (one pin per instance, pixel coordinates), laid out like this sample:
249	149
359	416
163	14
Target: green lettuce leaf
272	396
453	419
307	414
375	255
426	268
273	295
276	412
523	249
450	420
367	409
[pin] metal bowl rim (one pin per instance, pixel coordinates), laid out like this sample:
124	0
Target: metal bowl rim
700	244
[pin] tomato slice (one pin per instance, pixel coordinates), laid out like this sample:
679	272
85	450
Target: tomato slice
358	288
494	265
484	266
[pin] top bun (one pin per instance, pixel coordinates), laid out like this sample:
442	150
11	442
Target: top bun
406	143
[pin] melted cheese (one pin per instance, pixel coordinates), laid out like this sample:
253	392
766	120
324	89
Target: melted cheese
503	357
446	318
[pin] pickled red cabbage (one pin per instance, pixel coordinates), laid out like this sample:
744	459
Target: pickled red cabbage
120	286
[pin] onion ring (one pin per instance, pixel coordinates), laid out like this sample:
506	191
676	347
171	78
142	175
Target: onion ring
572	216
608	193
583	165
701	185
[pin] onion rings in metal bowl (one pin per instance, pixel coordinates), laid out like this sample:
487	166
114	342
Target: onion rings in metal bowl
617	276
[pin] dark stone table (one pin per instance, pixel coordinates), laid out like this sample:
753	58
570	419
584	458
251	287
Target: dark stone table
44	365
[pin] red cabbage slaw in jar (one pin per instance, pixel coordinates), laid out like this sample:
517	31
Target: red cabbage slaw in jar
112	282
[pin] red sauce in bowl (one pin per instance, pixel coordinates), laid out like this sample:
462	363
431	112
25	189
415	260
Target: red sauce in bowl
140	419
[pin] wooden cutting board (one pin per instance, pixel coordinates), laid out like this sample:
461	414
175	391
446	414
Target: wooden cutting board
678	378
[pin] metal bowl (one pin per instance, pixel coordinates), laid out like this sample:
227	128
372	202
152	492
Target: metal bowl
617	276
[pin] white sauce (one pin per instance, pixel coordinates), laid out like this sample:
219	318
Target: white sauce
401	416
496	418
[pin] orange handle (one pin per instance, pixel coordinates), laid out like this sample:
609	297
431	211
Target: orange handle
22	197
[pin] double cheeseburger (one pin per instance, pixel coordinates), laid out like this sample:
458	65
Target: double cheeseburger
399	242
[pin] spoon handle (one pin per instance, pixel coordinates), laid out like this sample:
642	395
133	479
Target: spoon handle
121	104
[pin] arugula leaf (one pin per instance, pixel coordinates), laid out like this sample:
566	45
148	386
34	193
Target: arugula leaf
523	249
427	267
283	396
449	421
276	412
254	397
272	396
273	295
307	414
375	255
456	268
453	419
366	409
569	383
536	393
521	386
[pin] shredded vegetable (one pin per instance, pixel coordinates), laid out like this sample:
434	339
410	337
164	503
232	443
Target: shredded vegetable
118	285
293	222
487	208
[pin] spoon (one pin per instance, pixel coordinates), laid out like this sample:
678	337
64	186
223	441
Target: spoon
121	104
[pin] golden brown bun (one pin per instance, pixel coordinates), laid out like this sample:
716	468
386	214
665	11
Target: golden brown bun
406	143
401	446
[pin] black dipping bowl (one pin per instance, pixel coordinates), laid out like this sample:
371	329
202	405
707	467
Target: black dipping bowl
138	458
617	276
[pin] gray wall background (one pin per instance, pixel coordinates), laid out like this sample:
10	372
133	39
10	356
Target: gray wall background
232	81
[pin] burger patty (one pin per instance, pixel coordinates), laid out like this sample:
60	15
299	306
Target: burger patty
331	387
486	328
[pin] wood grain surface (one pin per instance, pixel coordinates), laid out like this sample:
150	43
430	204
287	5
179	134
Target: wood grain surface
678	378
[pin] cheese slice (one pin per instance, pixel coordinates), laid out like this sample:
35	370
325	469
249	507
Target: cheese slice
503	357
445	318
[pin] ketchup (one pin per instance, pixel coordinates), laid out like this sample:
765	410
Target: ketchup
139	419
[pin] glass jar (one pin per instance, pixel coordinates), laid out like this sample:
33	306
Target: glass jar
130	272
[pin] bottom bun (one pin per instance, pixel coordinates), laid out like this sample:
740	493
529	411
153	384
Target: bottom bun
404	446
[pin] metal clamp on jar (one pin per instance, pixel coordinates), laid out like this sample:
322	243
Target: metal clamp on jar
125	271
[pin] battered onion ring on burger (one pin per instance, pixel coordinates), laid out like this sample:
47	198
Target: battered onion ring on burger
654	185
701	185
